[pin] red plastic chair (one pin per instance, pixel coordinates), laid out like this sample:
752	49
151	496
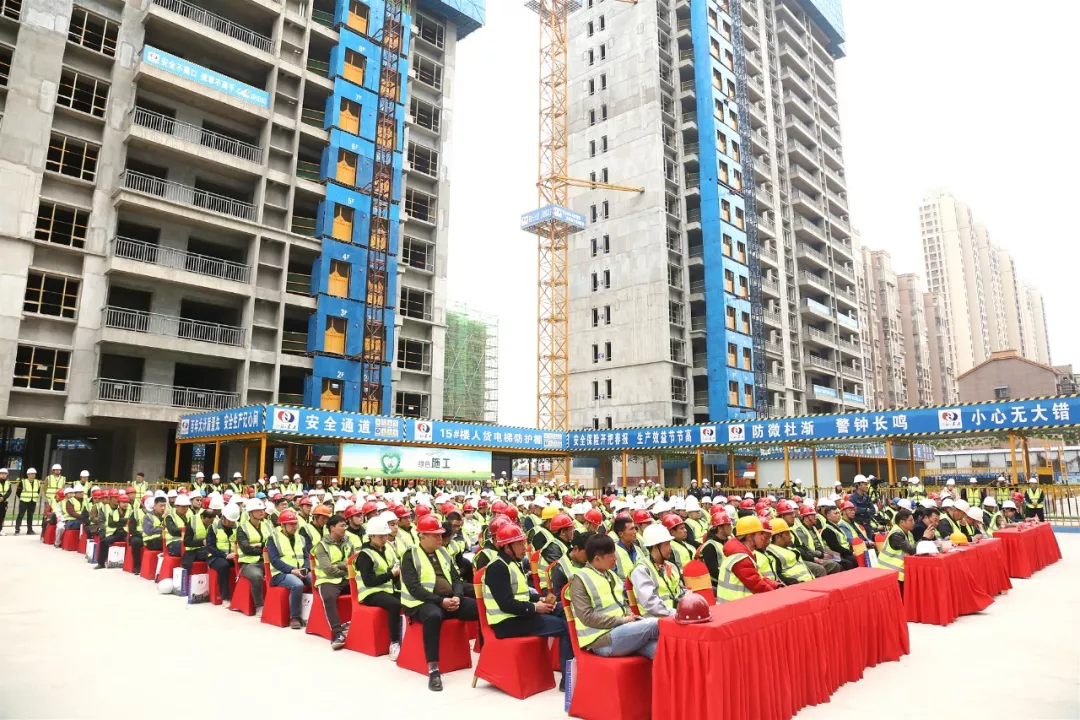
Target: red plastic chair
606	688
318	623
70	541
149	563
453	647
275	599
520	667
49	536
368	632
168	562
129	561
215	587
82	541
242	602
534	567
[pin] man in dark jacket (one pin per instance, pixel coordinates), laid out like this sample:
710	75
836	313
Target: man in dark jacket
837	541
865	509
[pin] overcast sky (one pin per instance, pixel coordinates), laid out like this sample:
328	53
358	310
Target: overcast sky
968	95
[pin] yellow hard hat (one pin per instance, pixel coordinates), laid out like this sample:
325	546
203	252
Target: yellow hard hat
958	538
549	512
748	525
778	526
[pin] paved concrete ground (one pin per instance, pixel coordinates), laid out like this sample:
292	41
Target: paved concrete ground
77	643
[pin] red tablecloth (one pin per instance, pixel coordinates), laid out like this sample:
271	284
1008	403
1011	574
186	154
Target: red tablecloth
990	567
940	588
776	636
866	606
1028	550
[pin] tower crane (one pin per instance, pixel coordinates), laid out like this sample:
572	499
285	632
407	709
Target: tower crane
553	222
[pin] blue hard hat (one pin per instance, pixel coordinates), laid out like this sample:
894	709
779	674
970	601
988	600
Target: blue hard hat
895	500
261	496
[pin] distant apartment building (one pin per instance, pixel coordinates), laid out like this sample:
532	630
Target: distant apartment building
916	338
889	372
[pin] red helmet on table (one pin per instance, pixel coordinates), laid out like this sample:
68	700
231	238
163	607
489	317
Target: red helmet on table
692	609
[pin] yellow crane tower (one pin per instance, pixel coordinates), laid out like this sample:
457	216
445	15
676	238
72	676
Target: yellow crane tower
553	222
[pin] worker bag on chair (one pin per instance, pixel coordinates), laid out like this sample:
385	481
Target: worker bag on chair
116	556
91	551
198	590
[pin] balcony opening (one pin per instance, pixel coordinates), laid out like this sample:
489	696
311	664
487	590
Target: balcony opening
92	31
308	164
209	323
125	368
202	377
294	335
419	254
298	277
330	397
290	389
6	55
137	301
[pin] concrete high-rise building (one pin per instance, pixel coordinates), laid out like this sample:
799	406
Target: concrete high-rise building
916	338
734	269
981	291
942	377
189	194
1033	324
888	378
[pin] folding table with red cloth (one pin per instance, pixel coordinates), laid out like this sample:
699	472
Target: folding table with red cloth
1028	549
868	615
940	588
761	630
990	568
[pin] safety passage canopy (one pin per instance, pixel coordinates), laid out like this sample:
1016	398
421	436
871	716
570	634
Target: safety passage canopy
1010	416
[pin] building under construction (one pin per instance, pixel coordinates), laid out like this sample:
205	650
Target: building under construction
471	386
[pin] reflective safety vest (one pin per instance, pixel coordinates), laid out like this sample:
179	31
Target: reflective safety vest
918	492
291	555
180	523
518	584
262	532
339	553
76	506
668	585
114	520
841	535
486	552
806	539
764	566
314	533
623	562
956	528
426	571
404	540
604	594
568	567
994	524
699	526
201	529
140	488
728	585
29	490
791	565
849	530
382	566
682	553
136	517
894	559
52	485
471	530
541	537
1033	498
220	537
5	488
155	524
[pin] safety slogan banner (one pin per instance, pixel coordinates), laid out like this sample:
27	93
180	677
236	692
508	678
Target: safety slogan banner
393	461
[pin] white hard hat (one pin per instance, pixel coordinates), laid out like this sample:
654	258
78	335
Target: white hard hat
539	501
858	478
160	494
928	503
926	547
962	505
273	479
237	476
678	503
78	487
719	500
660	507
975	514
825	502
183	501
57	467
1008	504
31	470
903	478
199	475
749	495
217	504
692	504
655	534
1034	481
172	493
165	587
215	476
913	481
95	488
1001	478
797	481
947	503
950	481
840	484
772	498
973	481
904	503
387	516
231	512
990	501
84	473
341	506
148	504
254	504
377	526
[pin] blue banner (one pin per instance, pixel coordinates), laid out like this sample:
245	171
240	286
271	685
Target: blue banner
439	432
330	424
643	438
238	421
205	76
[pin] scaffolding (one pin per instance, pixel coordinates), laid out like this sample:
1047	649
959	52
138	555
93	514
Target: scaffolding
471	385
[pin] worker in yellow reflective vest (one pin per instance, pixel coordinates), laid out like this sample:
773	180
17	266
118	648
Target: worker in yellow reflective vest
220	548
431	591
627	547
787	563
1033	500
378	581
603	622
900	543
5	488
27	491
332	554
514	610
682	551
290	563
746	569
657	582
569	564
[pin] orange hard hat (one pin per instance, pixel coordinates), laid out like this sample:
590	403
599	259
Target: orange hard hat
692	609
321	510
286	517
561	522
508	534
429	525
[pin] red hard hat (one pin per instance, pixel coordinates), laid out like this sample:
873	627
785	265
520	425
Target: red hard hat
123	497
806	511
497	522
567	500
112	492
692	609
624	514
511	512
401	511
96	495
182	491
429	525
509	533
607	499
784	507
59	494
935	496
368	507
446	508
594	516
422	511
765	524
287	516
761	505
469	507
720	517
561	521
483	503
671	521
498	506
733	499
130	491
306	501
847	505
440	481
641	516
1018	496
351	511
746	504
